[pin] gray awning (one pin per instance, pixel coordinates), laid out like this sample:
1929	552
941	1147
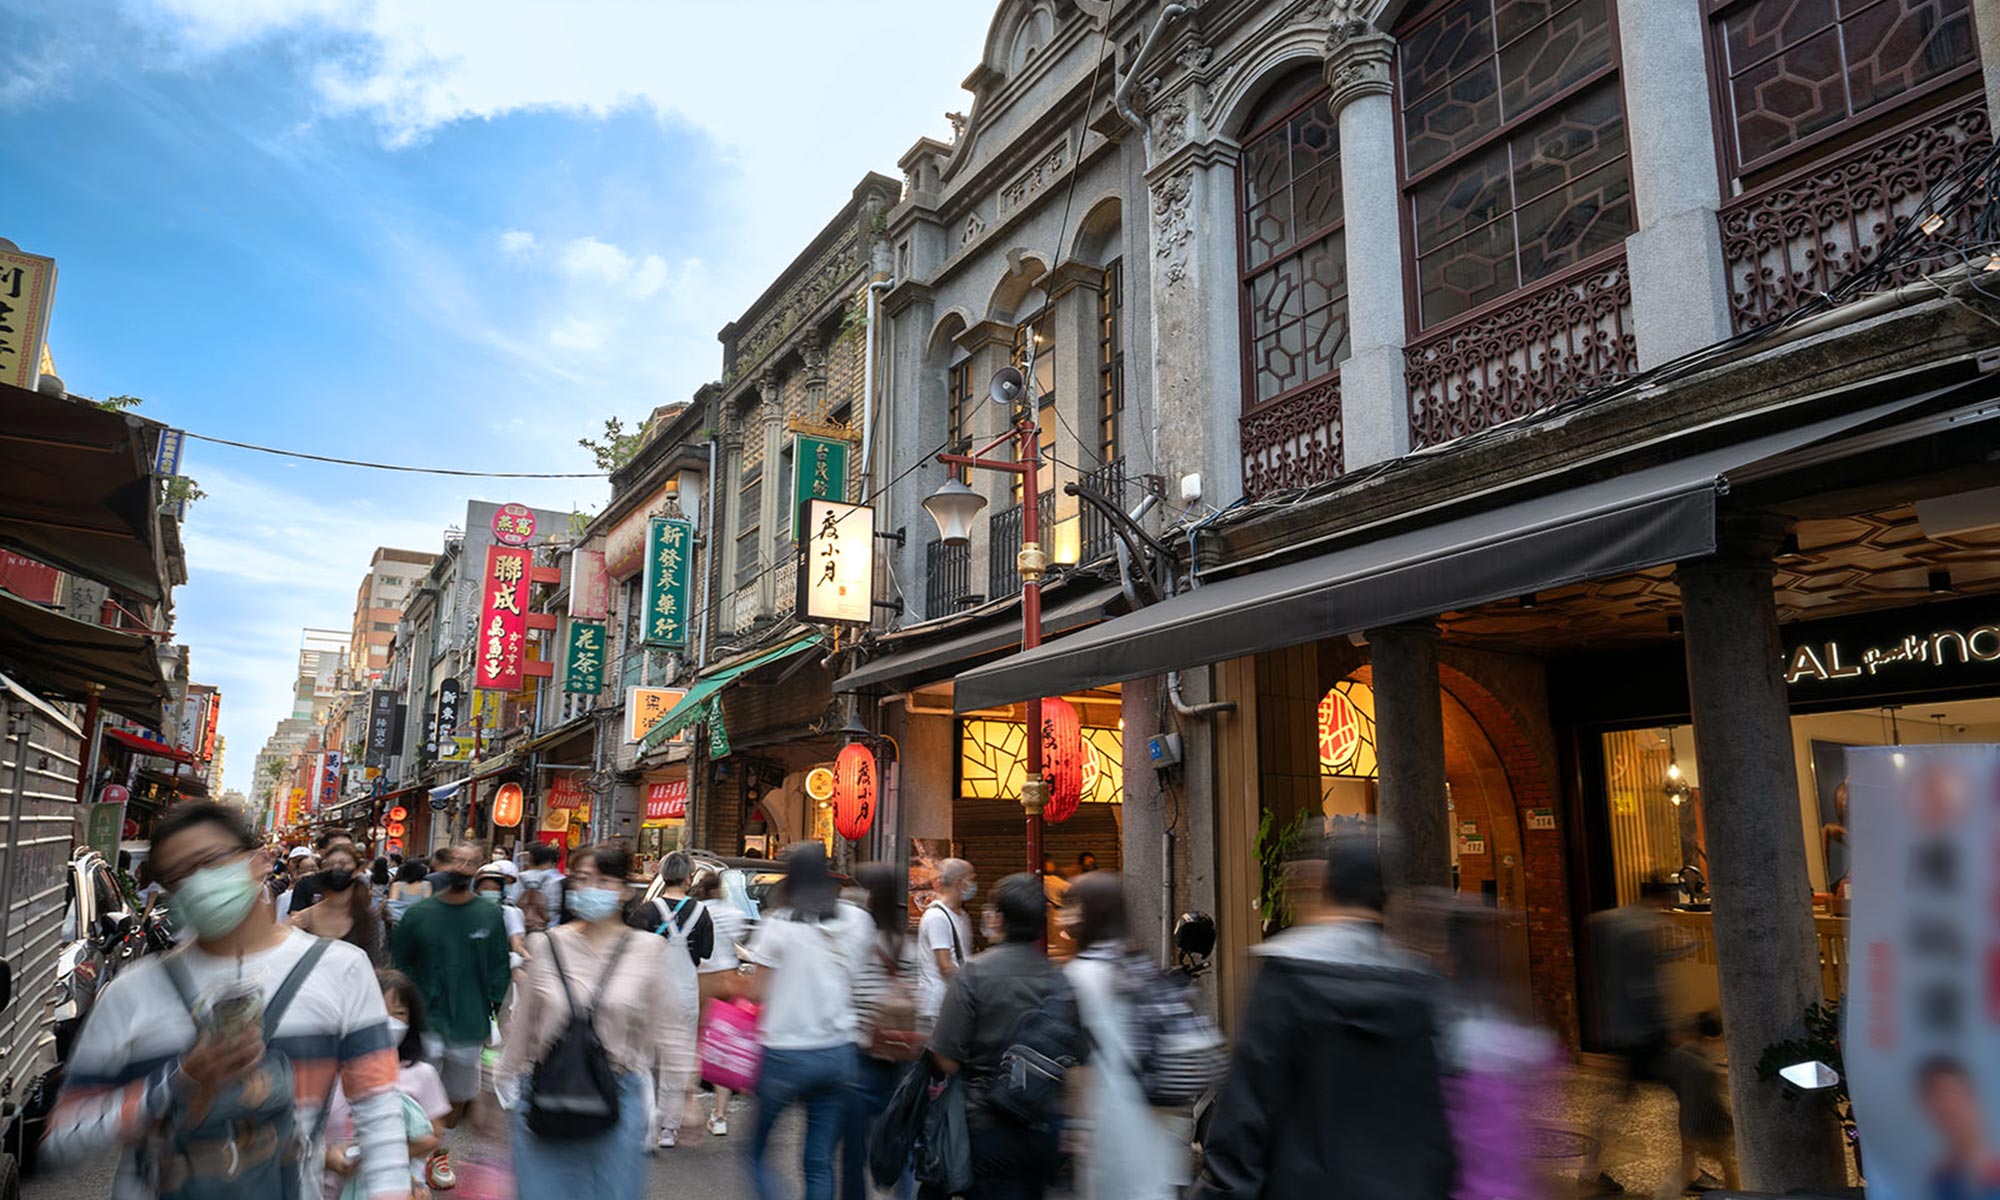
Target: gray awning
972	641
1644	518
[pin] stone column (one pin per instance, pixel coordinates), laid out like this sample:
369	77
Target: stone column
1765	949
771	415
1409	747
1374	401
1680	287
1986	19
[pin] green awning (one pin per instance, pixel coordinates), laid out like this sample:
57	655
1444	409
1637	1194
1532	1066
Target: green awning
694	705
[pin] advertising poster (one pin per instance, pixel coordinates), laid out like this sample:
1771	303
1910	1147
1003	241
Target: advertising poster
1922	1043
1829	768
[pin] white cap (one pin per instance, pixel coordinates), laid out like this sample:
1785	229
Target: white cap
502	868
298	852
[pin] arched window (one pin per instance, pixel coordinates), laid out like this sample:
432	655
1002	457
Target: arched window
1293	248
1514	158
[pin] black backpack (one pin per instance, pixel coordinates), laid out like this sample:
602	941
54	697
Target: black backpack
573	1093
1046	1041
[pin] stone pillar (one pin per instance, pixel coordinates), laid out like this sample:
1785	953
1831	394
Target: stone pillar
1144	820
1680	287
771	414
1409	746
1765	949
1374	401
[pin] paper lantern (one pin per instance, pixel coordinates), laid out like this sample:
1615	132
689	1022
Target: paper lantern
396	846
1062	759
854	792
396	830
399	813
507	804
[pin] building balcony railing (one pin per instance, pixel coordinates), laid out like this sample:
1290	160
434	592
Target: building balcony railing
1804	234
1003	571
1293	441
1099	535
947	579
1570	335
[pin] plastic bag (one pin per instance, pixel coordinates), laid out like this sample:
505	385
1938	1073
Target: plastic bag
731	1055
897	1130
944	1153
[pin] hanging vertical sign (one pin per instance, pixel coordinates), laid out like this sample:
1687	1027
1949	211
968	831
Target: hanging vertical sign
381	726
27	293
668	567
503	620
442	721
583	658
718	732
837	562
589	585
819	468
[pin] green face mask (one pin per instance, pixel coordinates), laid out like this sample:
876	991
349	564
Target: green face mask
215	900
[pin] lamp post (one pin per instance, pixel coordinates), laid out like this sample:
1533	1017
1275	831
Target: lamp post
954	505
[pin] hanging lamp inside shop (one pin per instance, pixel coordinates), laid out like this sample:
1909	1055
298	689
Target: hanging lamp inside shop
1062	759
1677	787
1896	737
854	791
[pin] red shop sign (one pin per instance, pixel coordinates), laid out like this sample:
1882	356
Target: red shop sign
667	801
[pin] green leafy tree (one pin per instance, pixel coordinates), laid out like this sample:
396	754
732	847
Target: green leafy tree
118	403
616	447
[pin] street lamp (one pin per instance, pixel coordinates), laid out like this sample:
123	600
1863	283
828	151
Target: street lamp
954	505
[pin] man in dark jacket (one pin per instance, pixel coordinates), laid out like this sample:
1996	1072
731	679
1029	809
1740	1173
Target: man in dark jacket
1333	1090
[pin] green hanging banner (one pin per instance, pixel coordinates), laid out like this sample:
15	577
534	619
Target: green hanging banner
819	467
583	661
718	733
669	565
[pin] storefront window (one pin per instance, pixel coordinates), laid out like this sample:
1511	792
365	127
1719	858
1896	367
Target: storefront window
1652	788
993	761
1347	765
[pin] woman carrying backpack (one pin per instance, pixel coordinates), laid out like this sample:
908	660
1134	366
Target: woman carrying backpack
887	1036
721	973
589	1025
690	935
1137	1151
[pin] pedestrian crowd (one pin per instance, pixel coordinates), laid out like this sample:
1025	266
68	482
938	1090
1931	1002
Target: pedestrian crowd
330	1022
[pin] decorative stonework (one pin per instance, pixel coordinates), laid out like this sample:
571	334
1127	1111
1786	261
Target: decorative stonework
1357	62
1792	240
1552	344
1169	123
973	228
814	288
1046	167
1293	443
1173	227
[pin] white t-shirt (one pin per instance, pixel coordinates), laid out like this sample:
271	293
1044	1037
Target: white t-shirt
517	925
731	927
809	997
934	932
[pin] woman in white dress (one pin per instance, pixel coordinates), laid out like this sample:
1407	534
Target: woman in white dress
1137	1152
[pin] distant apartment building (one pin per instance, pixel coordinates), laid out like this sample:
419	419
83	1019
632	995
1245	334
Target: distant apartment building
392	576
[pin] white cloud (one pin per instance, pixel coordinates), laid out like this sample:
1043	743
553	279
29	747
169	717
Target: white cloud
517	243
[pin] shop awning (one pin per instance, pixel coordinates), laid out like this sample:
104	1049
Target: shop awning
695	703
1643	518
62	657
967	642
568	730
139	745
76	490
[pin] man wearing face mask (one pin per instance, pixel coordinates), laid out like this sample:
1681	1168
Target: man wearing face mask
179	1064
944	935
453	946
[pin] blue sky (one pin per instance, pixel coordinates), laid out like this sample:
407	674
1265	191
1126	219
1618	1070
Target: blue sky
449	232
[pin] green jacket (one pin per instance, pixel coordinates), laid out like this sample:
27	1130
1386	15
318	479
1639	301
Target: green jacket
456	954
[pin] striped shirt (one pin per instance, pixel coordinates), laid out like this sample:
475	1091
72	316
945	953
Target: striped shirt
119	1084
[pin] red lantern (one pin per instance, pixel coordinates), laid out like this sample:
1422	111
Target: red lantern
399	813
1062	759
854	792
507	804
396	831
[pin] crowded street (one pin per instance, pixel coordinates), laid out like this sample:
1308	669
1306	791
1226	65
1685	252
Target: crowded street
999	600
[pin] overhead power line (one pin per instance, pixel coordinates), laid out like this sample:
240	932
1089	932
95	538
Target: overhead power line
375	466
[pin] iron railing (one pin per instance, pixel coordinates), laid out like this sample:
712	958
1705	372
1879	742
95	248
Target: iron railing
1100	535
947	579
1003	571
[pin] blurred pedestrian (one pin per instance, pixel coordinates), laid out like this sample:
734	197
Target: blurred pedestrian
690	936
348	911
594	973
495	884
541	898
310	885
944	934
193	1064
1136	1151
1333	1088
300	865
454	948
1633	1022
889	1034
1010	997
408	887
806	954
380	877
721	975
417	1085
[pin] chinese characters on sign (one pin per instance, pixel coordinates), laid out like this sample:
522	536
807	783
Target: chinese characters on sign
513	525
27	291
444	722
821	471
501	644
669	563
566	792
646	707
583	672
837	562
381	727
666	802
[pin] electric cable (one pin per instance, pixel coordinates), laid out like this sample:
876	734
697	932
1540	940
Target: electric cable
375	466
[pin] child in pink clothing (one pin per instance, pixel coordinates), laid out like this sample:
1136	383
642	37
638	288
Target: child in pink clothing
424	1099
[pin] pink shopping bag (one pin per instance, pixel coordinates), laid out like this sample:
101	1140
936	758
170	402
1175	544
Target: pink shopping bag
730	1052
